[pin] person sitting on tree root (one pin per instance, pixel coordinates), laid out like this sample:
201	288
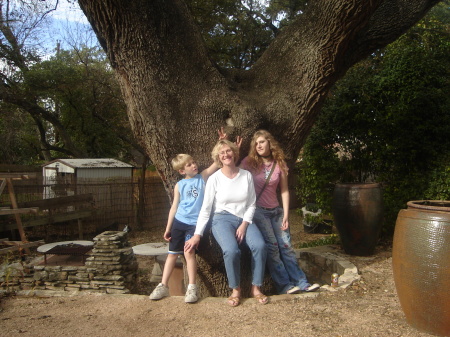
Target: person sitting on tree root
231	192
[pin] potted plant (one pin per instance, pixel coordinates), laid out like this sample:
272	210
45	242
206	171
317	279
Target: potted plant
313	220
315	193
311	214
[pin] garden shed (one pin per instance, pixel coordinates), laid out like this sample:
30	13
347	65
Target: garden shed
75	171
72	169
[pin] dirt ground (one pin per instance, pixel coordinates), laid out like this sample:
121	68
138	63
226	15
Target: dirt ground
368	308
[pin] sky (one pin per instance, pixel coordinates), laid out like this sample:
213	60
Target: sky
68	27
69	12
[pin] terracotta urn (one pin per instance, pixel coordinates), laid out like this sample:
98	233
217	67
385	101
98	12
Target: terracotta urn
421	265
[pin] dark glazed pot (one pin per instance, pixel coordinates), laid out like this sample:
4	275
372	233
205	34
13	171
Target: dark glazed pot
421	265
358	216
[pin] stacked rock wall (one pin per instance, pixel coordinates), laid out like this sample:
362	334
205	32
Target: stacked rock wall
110	267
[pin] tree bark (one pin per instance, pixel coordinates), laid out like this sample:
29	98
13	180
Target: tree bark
176	97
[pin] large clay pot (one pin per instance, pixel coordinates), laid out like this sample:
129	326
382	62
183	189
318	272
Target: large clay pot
358	216
421	265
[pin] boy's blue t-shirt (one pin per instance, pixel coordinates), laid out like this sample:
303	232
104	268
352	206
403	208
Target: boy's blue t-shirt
192	191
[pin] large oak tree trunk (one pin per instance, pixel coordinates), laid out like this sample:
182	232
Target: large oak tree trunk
177	98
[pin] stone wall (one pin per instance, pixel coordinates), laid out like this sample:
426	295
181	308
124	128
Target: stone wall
110	267
319	263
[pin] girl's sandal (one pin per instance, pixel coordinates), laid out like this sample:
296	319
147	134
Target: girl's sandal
233	301
261	299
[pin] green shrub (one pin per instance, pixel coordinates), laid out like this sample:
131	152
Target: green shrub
332	239
388	121
439	182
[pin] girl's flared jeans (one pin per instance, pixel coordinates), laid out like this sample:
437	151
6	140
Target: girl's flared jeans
281	258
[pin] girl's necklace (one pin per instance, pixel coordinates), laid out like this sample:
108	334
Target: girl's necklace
267	169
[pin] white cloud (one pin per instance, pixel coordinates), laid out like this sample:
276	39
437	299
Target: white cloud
69	12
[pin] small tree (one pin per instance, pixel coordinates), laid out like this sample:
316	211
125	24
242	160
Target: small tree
69	105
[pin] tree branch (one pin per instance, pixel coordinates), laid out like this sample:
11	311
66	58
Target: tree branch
36	110
45	146
388	22
12	52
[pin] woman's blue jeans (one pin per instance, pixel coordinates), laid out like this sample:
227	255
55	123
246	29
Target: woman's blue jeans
224	226
281	258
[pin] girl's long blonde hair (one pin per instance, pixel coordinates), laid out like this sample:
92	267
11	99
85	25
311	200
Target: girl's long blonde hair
255	161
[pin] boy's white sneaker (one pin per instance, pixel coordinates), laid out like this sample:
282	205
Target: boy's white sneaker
191	295
159	292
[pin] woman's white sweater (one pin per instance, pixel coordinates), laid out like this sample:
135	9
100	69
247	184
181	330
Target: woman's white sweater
236	196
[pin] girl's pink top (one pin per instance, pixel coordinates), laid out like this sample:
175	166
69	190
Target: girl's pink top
268	199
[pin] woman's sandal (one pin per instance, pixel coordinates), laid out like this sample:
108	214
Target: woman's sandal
261	299
233	301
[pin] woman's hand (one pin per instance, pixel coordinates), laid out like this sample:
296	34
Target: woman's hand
285	224
240	232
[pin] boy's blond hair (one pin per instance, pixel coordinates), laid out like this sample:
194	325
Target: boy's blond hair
180	161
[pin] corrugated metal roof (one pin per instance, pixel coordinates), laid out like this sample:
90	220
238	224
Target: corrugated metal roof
92	163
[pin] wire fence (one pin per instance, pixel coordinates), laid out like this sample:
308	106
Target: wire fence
117	203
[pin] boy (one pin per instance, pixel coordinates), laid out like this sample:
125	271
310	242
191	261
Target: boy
187	202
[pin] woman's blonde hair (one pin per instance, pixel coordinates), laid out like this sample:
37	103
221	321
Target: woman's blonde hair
219	145
254	159
180	161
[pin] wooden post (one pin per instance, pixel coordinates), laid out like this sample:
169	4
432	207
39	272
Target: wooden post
7	180
12	196
2	186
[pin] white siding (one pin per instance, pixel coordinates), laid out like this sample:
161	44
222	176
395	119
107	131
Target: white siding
104	173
